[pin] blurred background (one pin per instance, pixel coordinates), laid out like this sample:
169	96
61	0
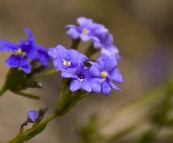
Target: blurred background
143	32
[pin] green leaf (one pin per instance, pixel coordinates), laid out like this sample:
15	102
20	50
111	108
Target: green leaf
26	95
14	78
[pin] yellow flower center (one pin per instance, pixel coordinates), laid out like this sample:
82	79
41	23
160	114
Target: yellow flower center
104	74
66	63
19	52
85	31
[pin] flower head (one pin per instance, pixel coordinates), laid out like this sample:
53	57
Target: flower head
66	60
106	70
32	115
86	30
105	43
22	52
82	79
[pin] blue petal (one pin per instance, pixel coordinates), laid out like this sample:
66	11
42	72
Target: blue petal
53	52
75	56
106	89
95	84
95	71
74	85
108	63
68	74
28	32
25	65
84	21
113	86
12	61
73	33
85	86
116	76
42	56
7	46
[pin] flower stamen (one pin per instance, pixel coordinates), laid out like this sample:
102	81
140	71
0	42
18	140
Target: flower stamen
104	74
85	31
66	63
20	52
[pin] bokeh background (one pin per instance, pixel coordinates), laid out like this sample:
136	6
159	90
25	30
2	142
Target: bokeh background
143	32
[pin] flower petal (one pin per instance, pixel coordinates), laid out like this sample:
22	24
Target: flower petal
12	61
74	85
106	89
114	87
25	65
7	46
116	76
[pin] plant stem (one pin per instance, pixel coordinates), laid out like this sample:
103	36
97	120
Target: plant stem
75	44
43	75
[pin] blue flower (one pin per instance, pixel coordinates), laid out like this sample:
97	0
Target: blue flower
82	79
23	51
32	115
106	70
66	60
86	30
106	46
41	52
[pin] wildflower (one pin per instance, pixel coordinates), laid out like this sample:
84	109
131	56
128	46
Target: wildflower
22	52
82	79
66	60
86	29
32	115
106	70
106	46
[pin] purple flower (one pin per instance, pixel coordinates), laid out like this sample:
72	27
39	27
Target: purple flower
106	46
82	79
86	30
41	52
105	70
66	60
22	52
32	115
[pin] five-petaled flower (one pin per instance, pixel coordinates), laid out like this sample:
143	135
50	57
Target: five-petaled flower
23	52
66	60
106	70
32	115
86	30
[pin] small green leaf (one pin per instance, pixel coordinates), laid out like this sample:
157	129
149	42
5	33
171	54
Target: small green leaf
26	95
14	78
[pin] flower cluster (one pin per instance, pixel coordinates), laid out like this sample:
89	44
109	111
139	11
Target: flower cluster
23	52
96	78
88	30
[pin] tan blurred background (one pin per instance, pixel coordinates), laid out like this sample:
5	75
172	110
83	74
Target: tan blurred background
142	30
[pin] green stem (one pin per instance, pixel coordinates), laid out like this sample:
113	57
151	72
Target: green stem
43	75
2	90
91	51
75	44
